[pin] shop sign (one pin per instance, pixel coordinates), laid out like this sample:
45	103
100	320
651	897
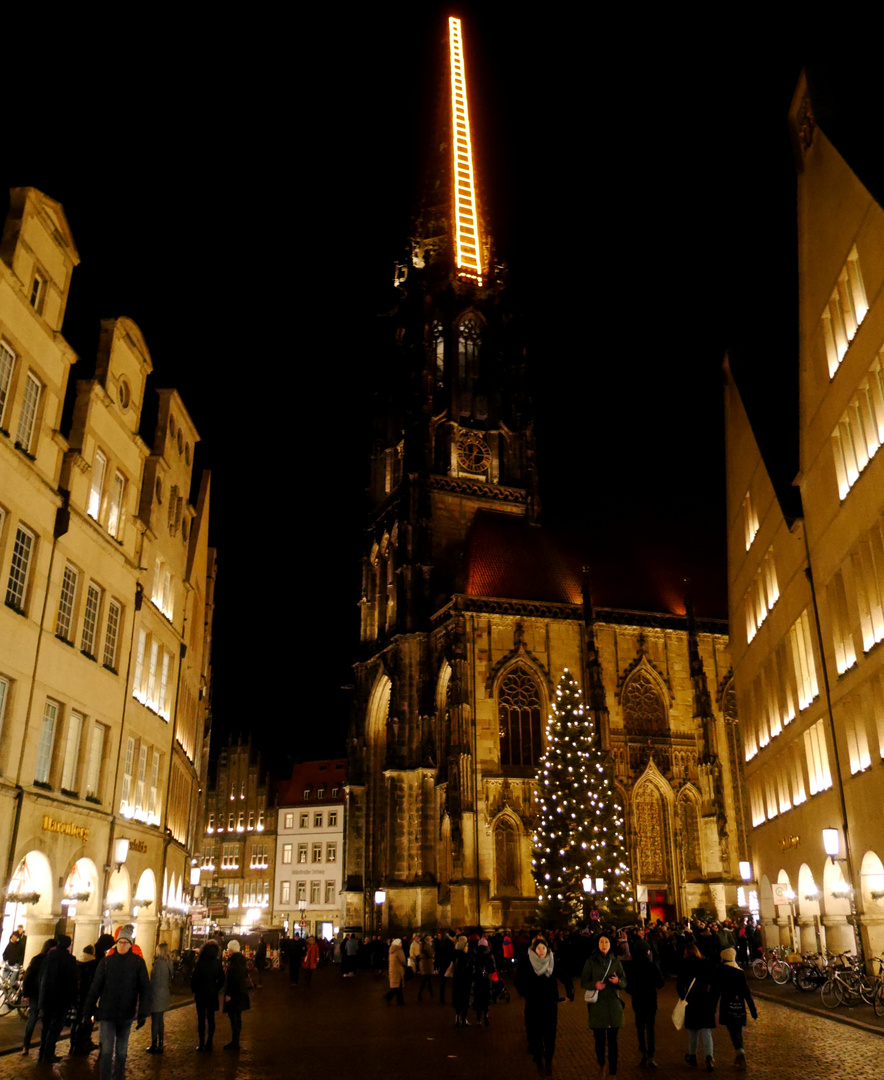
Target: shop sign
68	828
780	894
139	846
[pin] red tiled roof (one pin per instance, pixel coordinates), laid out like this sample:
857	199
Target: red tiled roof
508	557
311	775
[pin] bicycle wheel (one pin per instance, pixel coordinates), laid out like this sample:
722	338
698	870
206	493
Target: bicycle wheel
879	1000
759	969
805	978
847	986
868	987
830	994
780	972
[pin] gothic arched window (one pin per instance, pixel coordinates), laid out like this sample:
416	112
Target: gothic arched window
689	830
649	834
643	710
518	710
506	856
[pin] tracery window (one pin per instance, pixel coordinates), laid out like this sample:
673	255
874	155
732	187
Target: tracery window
649	834
689	829
643	710
518	711
506	856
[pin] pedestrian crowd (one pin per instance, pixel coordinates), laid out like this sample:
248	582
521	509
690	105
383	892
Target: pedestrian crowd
546	968
108	986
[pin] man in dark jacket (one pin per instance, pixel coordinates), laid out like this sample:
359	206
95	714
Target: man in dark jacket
122	989
58	994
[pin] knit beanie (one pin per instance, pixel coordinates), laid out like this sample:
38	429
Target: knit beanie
728	955
126	933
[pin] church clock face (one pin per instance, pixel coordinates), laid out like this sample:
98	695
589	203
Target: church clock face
473	453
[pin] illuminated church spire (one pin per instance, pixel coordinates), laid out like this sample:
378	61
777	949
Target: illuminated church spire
467	241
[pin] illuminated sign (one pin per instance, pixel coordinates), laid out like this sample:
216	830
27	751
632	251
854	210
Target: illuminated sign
68	828
466	219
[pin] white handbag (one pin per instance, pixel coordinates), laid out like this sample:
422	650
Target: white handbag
593	995
680	1007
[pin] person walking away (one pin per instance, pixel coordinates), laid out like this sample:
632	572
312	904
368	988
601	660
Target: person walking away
58	994
351	953
81	1029
425	961
602	977
31	991
396	964
734	997
537	979
205	982
695	982
297	948
644	982
236	992
121	989
444	960
461	981
483	972
160	997
311	960
260	960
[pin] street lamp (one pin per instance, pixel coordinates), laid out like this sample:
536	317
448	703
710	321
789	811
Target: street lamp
380	898
121	851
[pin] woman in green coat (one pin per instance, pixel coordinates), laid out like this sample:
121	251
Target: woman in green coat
603	974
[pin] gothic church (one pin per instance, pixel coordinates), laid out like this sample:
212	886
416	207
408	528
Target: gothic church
471	610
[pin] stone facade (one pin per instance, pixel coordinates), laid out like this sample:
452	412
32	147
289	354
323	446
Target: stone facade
805	590
470	612
105	633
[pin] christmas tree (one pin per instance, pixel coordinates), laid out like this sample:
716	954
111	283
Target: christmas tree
580	827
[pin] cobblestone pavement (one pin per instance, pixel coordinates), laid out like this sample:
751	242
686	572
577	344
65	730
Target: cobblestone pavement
341	1028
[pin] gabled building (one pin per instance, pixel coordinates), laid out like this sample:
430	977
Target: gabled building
807	587
310	849
90	726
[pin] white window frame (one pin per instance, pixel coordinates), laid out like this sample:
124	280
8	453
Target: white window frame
96	489
288	821
287	854
316	891
91	618
115	505
27	418
329	893
64	621
96	756
128	766
73	735
7	366
112	632
5	687
43	768
285	892
19	569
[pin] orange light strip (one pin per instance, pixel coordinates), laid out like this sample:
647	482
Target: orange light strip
466	218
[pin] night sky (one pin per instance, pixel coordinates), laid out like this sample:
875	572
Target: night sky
243	194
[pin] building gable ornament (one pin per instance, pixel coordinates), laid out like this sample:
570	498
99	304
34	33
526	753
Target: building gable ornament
643	661
512	658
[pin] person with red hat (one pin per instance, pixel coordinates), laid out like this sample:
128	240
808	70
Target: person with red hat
121	989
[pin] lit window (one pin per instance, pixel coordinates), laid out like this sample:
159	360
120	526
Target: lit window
128	766
240	823
115	512
802	657
99	467
138	679
18	570
332	819
260	821
38	292
251	820
302	853
47	741
304	821
4	697
302	890
331	852
750	520
71	752
286	853
28	417
844	312
90	618
317	853
315	891
211	826
762	595
230	822
320	794
288	821
317	821
7	362
817	758
285	892
329	892
96	757
66	603
842	638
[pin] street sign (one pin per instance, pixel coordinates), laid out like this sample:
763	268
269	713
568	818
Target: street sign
593	914
780	894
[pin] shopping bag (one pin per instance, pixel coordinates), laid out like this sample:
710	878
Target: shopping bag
680	1007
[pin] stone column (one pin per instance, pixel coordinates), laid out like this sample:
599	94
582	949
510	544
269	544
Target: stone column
839	933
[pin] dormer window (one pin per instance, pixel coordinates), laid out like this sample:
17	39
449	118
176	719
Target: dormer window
320	793
306	793
38	292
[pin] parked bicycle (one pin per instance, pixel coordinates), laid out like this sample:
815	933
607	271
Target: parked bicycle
848	984
12	979
774	965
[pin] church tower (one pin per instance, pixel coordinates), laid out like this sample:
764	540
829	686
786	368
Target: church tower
470	611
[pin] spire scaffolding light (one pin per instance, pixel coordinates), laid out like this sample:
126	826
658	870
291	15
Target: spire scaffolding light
466	218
